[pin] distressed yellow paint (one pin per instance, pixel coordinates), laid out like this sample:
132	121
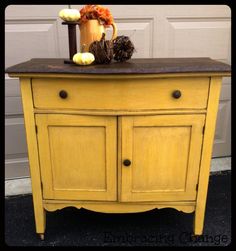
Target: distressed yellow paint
78	151
165	154
27	102
77	156
207	153
127	94
122	112
120	207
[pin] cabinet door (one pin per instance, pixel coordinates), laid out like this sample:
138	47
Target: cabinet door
77	156
164	151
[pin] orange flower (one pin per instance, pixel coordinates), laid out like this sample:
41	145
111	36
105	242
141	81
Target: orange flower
98	12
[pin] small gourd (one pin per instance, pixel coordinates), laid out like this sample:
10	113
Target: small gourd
71	15
83	58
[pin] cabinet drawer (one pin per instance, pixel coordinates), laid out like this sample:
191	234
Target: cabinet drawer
121	94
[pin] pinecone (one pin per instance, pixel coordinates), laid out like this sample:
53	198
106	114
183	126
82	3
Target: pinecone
102	50
123	48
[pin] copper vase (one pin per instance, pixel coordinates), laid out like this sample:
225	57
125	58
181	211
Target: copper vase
91	31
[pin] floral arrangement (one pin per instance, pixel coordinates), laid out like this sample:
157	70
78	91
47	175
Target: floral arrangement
94	47
102	14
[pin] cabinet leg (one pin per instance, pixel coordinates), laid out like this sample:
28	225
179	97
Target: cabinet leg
198	221
40	221
41	236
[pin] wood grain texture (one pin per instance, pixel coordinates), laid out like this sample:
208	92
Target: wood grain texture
117	95
78	156
119	157
27	100
215	87
120	207
117	112
165	154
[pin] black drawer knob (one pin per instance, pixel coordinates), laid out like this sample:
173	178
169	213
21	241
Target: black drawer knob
176	94
63	94
126	162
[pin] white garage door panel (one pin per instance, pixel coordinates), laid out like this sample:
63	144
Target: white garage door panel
39	37
19	11
16	168
12	87
13	103
199	37
15	143
40	14
156	31
140	31
222	143
13	106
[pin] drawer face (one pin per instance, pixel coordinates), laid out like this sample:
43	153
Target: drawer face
121	94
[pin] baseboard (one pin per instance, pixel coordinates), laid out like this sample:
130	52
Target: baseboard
23	185
18	186
220	164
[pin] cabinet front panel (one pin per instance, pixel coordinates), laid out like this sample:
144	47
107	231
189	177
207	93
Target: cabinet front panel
121	94
77	156
159	153
165	155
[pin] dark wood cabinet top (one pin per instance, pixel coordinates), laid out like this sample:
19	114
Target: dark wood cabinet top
132	66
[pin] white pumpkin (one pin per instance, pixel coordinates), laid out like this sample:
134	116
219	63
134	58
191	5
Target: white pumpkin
83	58
70	15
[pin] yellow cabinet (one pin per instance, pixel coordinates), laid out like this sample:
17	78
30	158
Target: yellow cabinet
164	154
77	156
120	138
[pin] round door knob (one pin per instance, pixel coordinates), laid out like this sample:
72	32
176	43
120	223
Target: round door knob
63	94
126	162
176	94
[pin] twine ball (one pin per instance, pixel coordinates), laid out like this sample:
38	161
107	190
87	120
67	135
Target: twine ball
123	48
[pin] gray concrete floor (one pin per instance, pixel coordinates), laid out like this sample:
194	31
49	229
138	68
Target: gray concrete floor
164	227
